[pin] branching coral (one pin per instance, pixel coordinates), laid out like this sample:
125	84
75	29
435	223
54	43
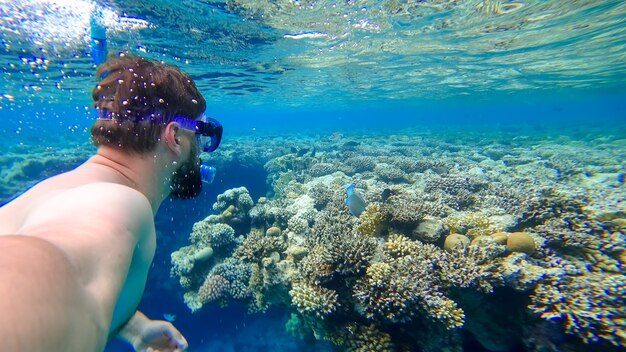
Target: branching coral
258	246
321	169
271	213
601	243
404	211
182	261
372	221
351	253
397	289
347	255
214	288
317	266
590	304
298	224
262	250
227	280
360	163
233	206
331	223
367	338
474	266
471	224
315	300
456	189
390	173
206	234
321	194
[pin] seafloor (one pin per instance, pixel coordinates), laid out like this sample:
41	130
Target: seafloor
513	240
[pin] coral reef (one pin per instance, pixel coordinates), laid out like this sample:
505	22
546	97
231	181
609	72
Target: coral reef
21	166
501	242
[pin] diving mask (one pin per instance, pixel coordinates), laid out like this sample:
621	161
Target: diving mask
209	134
208	131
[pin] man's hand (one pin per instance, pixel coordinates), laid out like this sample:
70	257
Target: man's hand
152	335
159	336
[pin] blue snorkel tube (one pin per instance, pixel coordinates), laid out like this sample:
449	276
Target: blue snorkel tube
98	40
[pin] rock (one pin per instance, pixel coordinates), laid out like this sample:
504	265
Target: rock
503	222
519	273
429	230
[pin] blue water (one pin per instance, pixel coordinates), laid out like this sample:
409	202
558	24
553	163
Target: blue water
547	71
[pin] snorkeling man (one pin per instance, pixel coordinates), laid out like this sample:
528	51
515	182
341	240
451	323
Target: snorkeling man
75	249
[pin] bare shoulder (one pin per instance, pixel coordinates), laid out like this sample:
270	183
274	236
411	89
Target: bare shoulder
99	207
106	193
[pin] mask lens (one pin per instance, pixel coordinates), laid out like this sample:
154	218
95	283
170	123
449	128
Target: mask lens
204	142
208	131
214	130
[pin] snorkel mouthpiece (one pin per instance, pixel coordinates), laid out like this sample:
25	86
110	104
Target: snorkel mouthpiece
207	173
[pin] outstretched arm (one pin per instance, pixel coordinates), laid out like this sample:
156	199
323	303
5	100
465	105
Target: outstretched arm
147	335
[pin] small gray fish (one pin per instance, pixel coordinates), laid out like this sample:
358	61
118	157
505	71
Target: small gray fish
355	202
385	194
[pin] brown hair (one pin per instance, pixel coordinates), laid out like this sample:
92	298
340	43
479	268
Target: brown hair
138	97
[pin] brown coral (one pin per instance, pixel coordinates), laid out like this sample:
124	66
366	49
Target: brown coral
214	288
315	300
367	338
396	292
372	221
258	246
520	242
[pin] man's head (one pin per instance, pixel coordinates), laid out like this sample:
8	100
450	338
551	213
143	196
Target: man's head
139	97
139	103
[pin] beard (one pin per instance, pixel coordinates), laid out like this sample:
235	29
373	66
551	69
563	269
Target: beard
186	181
